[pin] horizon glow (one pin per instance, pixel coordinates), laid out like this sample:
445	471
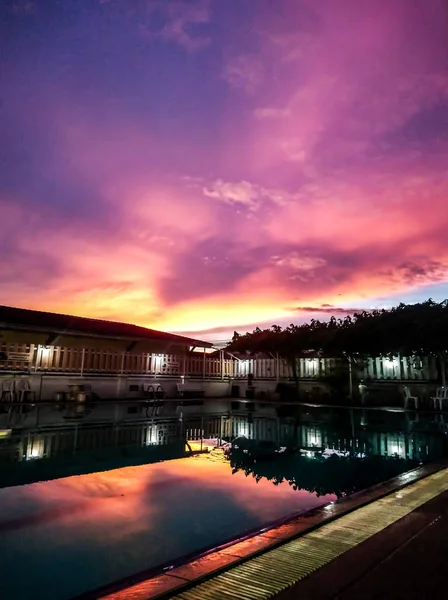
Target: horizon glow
205	166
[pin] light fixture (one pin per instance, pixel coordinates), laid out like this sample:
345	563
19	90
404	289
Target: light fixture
35	449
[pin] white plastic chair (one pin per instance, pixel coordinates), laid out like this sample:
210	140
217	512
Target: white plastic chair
441	395
7	390
24	392
408	398
363	392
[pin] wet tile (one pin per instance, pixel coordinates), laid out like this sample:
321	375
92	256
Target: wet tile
314	519
246	547
147	589
204	565
288	530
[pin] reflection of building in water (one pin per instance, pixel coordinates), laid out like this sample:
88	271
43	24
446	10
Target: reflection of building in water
310	437
35	447
416	445
396	446
326	438
243	429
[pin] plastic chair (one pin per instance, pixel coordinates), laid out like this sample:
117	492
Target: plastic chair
441	395
408	398
25	396
7	391
363	392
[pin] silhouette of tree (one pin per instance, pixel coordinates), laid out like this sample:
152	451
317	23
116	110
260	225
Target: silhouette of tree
409	330
339	475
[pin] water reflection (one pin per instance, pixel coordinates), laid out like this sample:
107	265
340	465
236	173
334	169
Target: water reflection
320	473
135	518
340	452
125	521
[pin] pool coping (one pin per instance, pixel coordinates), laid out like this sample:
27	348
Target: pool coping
162	581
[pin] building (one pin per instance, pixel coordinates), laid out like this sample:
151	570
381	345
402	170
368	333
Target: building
54	349
48	353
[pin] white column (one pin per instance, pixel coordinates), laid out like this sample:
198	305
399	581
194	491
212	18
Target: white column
83	356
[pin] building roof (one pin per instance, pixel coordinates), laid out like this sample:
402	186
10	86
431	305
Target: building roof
23	319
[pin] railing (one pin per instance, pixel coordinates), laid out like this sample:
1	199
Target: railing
56	359
88	437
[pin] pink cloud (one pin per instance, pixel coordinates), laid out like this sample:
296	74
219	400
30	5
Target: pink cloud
314	174
180	18
244	71
361	69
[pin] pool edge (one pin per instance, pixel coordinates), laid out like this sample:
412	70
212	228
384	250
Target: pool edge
165	581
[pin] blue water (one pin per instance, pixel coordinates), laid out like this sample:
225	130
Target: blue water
65	537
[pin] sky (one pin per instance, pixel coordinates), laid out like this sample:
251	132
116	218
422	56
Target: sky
212	165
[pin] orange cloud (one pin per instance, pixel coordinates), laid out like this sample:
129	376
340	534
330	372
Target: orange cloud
299	160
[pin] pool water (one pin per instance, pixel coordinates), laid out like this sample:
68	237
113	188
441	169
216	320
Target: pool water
61	538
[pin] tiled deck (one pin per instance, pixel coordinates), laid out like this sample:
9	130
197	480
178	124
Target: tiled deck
405	561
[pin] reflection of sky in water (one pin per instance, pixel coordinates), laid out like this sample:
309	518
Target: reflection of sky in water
75	534
78	533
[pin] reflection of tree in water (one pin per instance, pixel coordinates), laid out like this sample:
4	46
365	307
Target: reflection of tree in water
339	475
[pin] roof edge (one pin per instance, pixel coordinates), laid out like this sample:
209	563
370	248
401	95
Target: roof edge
140	334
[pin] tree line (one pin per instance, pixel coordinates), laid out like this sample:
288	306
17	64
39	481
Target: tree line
407	329
339	475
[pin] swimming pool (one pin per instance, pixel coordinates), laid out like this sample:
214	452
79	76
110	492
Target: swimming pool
65	537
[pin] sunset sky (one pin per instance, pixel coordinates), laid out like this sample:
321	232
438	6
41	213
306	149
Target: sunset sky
205	166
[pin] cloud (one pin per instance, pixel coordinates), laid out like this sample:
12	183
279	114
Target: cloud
22	7
243	193
272	113
245	72
328	310
345	99
222	335
183	22
246	194
298	263
137	185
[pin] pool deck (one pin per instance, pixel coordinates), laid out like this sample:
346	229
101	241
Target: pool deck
373	540
408	560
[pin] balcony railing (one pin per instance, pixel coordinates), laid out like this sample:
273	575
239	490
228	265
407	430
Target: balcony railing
84	361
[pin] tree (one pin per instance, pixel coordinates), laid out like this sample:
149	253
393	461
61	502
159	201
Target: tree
340	475
407	330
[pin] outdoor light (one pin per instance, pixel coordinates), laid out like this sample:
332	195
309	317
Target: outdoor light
158	360
314	438
151	435
395	448
35	449
243	430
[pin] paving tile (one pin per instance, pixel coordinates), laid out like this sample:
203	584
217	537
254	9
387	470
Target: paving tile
203	566
147	589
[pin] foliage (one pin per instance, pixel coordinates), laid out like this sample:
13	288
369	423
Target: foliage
408	330
339	475
405	329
